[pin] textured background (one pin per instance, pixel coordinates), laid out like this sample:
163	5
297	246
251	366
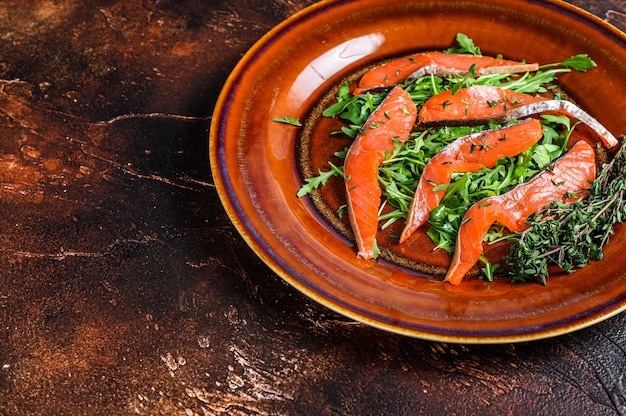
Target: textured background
125	289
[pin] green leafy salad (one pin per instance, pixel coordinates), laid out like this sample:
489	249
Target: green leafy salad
568	236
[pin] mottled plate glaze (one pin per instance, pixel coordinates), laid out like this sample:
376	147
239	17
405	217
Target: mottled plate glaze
254	162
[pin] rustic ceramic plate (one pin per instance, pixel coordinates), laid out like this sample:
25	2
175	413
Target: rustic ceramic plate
254	162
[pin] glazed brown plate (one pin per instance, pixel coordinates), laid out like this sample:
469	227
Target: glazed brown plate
255	162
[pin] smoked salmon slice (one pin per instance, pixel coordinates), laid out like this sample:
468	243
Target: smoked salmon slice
572	172
467	154
481	104
390	123
411	67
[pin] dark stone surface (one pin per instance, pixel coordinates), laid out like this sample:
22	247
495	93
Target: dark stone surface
125	289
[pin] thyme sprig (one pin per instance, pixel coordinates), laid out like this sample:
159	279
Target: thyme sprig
569	236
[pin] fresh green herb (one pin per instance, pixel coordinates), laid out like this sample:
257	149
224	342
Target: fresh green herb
320	180
571	235
355	109
376	249
466	45
580	63
489	269
342	210
472	71
288	120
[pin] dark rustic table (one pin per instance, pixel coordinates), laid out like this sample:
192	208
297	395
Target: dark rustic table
125	289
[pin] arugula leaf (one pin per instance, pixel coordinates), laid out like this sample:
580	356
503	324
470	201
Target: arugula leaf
545	154
489	269
320	180
581	62
466	45
288	120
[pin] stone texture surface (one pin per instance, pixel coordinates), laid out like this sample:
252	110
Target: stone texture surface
125	289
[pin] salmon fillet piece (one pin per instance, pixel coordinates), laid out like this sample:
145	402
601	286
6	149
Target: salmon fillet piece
411	67
390	124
